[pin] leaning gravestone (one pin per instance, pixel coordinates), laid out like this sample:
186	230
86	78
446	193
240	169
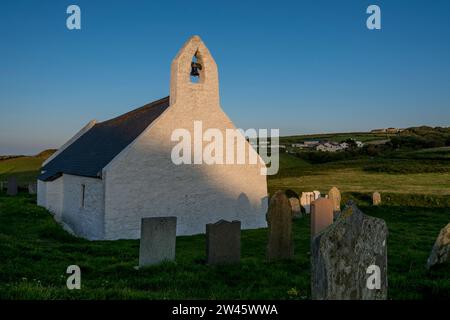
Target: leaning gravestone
335	195
32	188
279	219
158	237
321	215
295	207
223	242
376	198
349	258
441	250
12	186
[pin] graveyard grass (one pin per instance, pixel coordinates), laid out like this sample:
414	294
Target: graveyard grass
35	252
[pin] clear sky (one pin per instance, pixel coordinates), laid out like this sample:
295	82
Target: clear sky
300	66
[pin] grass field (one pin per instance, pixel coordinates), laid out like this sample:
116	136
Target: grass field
35	252
337	137
350	175
25	168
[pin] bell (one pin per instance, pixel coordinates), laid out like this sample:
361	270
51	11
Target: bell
194	69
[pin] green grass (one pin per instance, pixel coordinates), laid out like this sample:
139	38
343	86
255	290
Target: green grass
25	168
337	137
35	252
363	175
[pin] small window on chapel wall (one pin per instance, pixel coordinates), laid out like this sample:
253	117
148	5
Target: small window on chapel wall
83	189
196	68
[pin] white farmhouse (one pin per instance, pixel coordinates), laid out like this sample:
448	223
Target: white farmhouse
112	173
328	147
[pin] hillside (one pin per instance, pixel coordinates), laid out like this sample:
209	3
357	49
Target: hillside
426	137
25	168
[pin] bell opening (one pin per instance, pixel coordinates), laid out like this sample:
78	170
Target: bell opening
196	68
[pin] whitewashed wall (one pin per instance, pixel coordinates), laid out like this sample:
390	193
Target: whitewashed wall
41	193
54	197
86	221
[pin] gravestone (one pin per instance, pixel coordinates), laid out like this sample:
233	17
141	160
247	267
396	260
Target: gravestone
279	220
376	198
12	186
295	207
306	199
223	242
441	250
335	195
349	258
158	238
321	215
32	188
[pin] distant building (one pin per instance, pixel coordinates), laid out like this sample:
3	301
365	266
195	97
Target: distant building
329	147
378	131
387	130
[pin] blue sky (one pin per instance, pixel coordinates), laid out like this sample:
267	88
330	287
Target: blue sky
300	66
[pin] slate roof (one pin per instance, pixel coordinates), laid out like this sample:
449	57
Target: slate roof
93	150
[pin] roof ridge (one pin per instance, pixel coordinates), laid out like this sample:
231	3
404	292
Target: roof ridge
145	106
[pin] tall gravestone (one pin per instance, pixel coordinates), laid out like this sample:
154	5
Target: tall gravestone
279	219
223	242
349	258
321	215
440	253
12	186
335	195
376	198
158	239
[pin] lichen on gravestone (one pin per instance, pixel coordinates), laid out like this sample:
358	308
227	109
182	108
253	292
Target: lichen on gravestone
342	254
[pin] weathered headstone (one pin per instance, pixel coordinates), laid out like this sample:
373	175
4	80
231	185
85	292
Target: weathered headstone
306	199
295	207
32	188
321	215
441	250
279	219
316	194
349	258
158	238
12	186
223	242
335	195
376	198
